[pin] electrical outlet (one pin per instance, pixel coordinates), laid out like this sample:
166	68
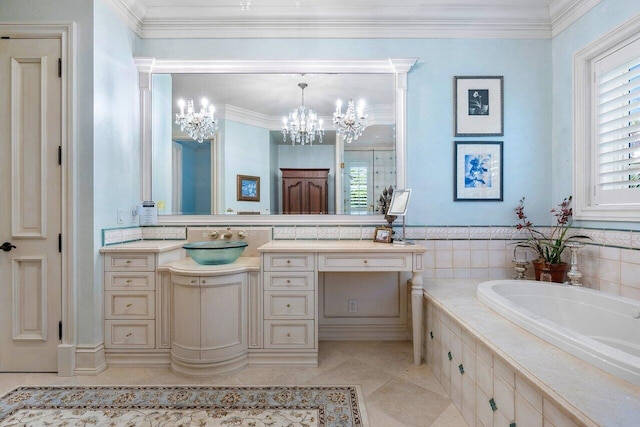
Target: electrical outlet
353	306
120	216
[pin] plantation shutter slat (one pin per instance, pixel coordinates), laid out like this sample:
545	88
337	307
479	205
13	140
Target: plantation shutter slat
617	126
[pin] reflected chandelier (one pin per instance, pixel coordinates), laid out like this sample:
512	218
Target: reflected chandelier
352	123
199	126
302	125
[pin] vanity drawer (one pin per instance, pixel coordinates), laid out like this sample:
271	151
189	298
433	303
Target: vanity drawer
289	305
289	334
288	280
130	261
129	305
289	262
365	262
129	334
114	281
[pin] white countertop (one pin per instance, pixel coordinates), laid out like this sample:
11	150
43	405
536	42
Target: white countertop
189	267
144	246
603	398
337	245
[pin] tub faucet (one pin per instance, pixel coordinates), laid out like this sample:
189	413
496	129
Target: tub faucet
227	234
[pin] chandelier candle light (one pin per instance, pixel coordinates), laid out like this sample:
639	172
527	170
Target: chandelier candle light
352	123
199	126
302	125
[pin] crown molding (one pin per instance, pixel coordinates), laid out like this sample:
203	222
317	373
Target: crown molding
131	12
435	21
248	117
563	13
357	29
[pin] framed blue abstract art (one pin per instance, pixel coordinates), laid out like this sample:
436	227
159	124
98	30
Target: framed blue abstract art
477	171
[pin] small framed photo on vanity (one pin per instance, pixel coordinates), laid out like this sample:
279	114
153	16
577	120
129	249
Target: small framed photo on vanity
382	235
478	105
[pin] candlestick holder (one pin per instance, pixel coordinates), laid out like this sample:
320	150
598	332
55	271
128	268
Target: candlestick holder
520	268
574	275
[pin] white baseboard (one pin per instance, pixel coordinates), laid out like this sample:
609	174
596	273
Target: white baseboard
363	333
158	359
90	360
283	358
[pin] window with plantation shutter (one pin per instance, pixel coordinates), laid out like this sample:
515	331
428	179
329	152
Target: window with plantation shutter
617	117
606	103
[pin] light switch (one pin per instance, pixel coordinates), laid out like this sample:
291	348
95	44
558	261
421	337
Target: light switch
120	216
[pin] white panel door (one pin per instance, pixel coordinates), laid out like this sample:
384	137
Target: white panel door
30	203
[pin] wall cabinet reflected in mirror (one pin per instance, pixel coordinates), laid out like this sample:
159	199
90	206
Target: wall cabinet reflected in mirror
251	98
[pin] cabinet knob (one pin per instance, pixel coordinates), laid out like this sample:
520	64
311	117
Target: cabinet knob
288	305
288	261
288	280
128	335
365	261
128	261
193	282
129	305
204	282
288	335
128	281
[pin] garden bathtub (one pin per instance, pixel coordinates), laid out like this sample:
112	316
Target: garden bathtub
599	328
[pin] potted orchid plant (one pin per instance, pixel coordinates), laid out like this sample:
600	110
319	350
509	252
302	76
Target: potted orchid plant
550	245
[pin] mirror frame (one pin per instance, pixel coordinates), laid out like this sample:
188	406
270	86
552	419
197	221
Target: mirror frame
399	67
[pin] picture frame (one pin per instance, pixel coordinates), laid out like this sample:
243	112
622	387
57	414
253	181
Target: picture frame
478	105
382	235
478	171
248	188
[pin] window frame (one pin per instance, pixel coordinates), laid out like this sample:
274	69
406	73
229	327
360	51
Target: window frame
584	134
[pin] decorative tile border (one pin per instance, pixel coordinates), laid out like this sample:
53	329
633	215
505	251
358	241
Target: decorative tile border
113	236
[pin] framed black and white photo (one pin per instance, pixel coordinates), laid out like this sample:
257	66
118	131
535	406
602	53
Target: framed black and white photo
478	105
477	171
248	188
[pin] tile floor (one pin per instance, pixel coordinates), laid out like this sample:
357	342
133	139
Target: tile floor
397	393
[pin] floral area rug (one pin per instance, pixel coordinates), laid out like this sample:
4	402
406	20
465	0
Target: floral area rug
181	406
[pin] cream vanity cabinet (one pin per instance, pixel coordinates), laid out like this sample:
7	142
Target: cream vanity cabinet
289	300
211	323
137	302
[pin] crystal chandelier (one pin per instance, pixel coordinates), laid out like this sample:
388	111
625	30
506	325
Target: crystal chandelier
352	123
302	125
199	126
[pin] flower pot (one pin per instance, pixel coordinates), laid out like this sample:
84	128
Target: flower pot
558	271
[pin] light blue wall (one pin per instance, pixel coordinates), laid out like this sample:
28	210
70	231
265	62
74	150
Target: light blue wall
602	19
246	151
526	67
116	143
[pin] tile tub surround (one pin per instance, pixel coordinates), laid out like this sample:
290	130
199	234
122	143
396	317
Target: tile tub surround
533	377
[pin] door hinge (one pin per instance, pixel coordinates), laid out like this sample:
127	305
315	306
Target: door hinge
59	154
60	330
59	67
60	242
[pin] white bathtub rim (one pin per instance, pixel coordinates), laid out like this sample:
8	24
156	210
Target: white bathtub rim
626	367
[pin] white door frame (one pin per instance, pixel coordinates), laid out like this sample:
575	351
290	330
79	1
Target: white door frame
66	33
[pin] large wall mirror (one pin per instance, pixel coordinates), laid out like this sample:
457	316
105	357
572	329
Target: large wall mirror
197	181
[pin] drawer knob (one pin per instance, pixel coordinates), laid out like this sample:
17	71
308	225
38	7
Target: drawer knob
288	305
365	261
193	281
128	261
129	305
204	281
129	334
288	335
128	280
288	261
288	280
